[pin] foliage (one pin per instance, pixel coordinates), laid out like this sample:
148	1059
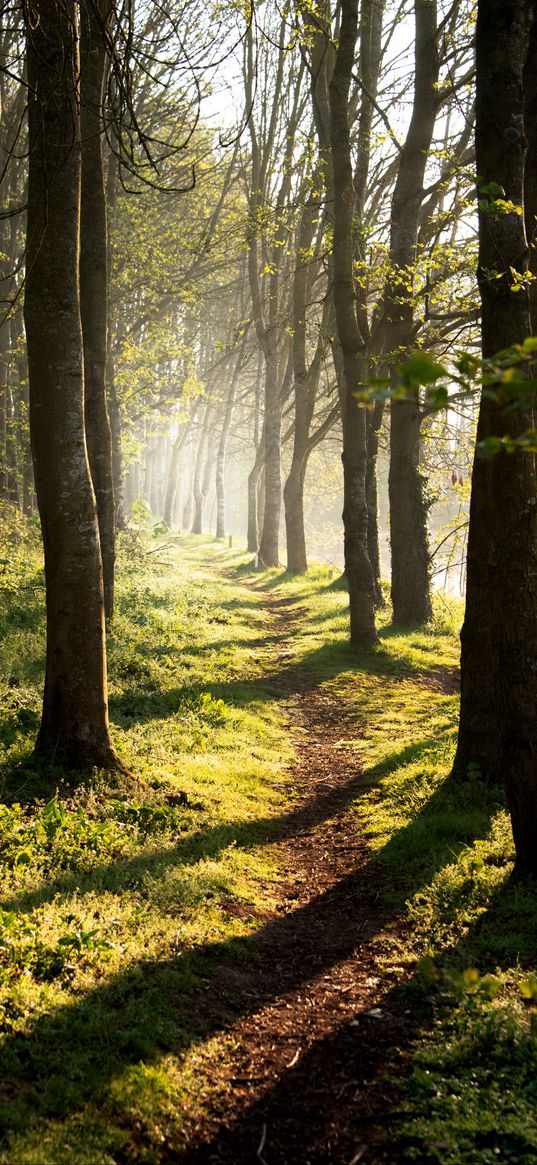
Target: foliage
506	379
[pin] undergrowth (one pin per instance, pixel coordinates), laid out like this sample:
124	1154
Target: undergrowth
461	947
116	891
120	896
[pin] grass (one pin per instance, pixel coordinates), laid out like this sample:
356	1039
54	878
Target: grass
119	900
110	891
466	955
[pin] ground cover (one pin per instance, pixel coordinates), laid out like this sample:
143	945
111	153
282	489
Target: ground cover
288	936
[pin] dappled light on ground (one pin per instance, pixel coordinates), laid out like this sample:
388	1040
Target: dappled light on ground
216	957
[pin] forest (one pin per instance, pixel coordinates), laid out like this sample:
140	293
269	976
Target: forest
268	563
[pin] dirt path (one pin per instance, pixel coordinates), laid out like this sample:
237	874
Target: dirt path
309	1012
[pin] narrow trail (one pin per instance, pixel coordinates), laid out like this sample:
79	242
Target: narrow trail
308	1012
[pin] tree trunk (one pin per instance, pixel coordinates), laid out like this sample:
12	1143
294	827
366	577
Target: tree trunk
114	414
188	507
354	457
530	172
4	391
253	483
172	476
297	560
75	717
408	510
272	436
94	19
222	452
253	523
374	422
198	478
207	474
498	728
13	451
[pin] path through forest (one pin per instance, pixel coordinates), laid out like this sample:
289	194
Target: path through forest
222	961
314	1032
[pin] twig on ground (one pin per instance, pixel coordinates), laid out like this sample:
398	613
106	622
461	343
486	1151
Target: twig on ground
261	1145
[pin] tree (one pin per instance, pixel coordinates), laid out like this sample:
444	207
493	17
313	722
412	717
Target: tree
408	515
269	235
497	729
307	367
75	717
95	21
357	564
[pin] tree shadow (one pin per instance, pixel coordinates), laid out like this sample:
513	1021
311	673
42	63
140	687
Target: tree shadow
157	1007
424	838
345	1092
291	677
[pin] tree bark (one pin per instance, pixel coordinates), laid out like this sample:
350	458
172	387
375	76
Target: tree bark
222	452
498	728
5	340
530	172
188	508
408	510
75	717
357	565
374	422
305	381
252	534
272	434
297	559
172	476
94	19
254	476
199	484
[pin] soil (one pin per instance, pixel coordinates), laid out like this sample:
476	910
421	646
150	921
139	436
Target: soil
320	1029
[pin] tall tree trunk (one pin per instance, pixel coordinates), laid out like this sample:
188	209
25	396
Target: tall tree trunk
357	564
408	511
374	422
178	503
530	172
114	414
94	19
222	453
75	716
498	728
173	473
305	382
5	340
252	535
188	509
297	559
13	450
272	435
254	477
207	473
261	496
198	478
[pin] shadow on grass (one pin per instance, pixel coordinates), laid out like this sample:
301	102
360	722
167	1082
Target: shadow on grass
347	1092
431	839
290	678
153	1007
65	1058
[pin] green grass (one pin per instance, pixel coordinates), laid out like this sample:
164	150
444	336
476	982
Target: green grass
120	897
461	946
111	889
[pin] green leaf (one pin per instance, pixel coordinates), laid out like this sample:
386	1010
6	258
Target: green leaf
422	369
528	988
